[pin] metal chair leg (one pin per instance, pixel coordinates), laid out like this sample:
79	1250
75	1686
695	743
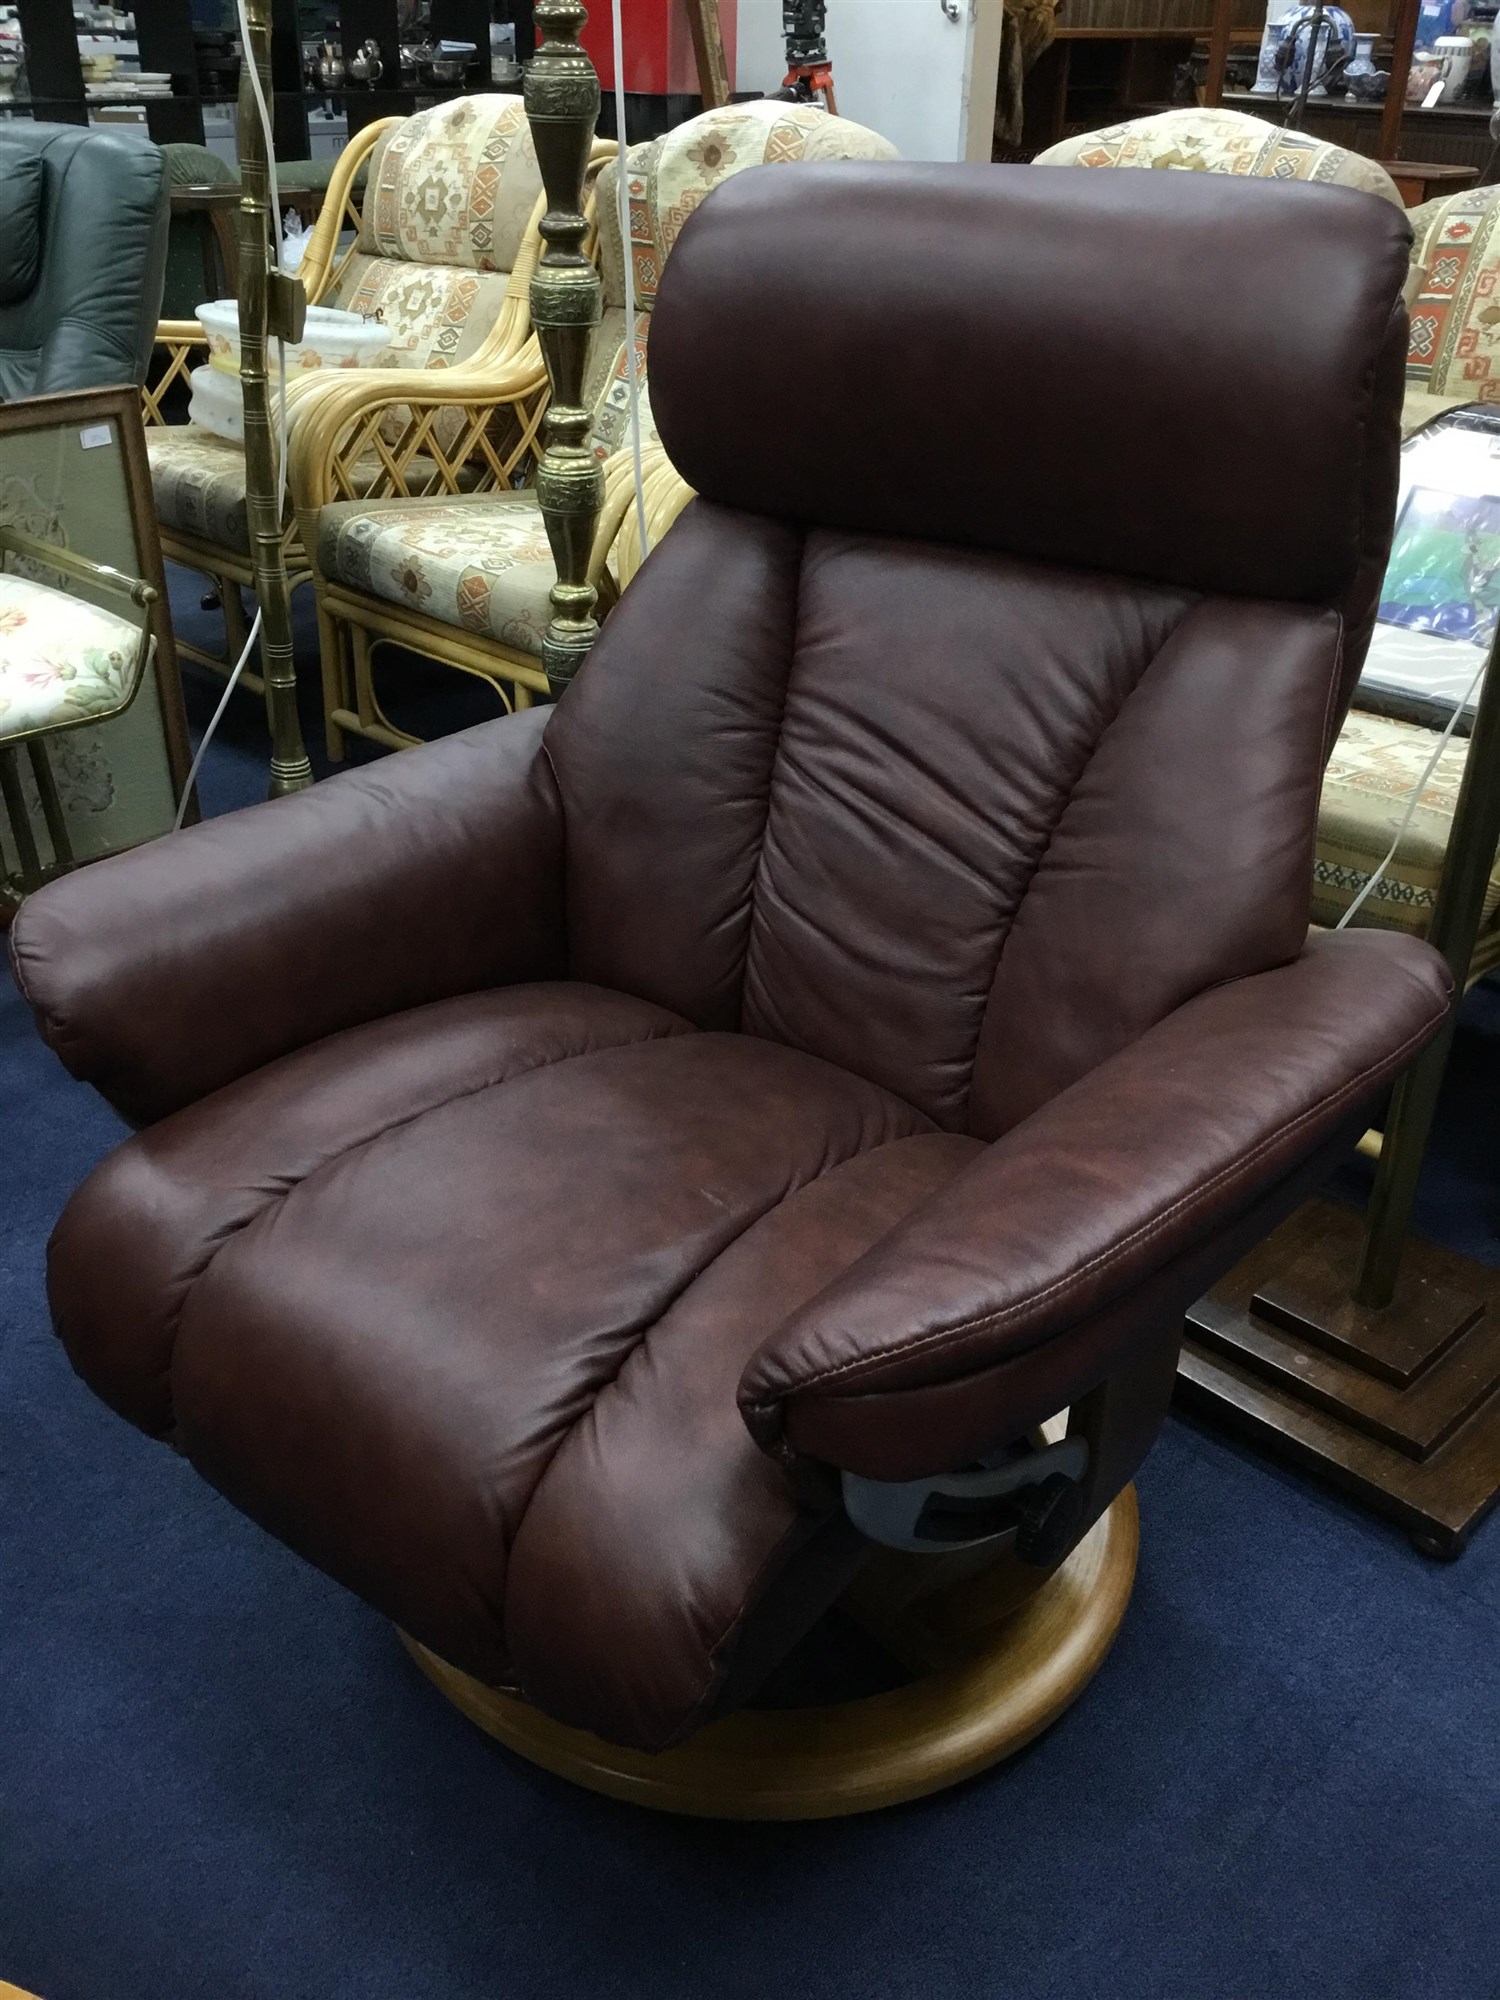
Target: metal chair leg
20	820
52	806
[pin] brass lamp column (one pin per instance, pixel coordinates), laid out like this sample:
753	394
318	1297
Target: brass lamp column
562	106
274	304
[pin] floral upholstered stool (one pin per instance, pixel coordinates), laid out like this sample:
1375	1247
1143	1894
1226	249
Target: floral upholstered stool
63	662
1376	764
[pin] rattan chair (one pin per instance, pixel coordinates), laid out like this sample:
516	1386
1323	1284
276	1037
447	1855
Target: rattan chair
446	245
465	579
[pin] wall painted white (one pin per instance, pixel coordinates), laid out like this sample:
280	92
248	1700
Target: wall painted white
903	67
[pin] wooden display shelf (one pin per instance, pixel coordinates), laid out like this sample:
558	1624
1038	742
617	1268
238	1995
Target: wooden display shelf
1136	35
1358	107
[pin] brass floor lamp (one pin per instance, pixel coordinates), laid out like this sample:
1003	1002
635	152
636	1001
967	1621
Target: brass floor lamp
272	305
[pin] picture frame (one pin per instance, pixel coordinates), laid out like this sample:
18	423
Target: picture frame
74	473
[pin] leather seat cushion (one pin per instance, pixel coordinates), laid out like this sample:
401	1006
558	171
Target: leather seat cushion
456	1304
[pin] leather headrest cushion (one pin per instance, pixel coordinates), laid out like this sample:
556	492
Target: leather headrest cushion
1167	375
20	227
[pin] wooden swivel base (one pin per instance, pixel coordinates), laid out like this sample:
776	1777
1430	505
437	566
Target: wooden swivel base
996	1675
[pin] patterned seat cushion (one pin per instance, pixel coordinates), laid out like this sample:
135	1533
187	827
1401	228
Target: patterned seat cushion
62	660
1455	314
1210	140
481	563
198	482
1375	766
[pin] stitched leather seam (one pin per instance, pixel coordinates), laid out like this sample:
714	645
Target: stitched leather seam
1335	679
765	822
1005	931
609	1381
1115	1252
195	1278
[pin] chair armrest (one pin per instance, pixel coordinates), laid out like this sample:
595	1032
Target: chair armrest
339	426
164	973
908	1364
666	494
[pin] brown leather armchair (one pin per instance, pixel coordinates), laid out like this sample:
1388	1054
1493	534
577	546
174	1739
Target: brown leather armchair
603	1172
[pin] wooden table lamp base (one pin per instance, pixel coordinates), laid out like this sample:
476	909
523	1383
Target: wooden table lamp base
1399	1407
1006	1673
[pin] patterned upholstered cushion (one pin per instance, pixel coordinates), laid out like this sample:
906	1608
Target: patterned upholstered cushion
454	185
481	563
1376	763
435	315
62	660
606	386
1215	141
668	177
198	482
1455	315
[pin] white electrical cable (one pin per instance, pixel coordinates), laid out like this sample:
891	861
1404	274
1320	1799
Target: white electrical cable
281	421
1416	797
208	734
632	361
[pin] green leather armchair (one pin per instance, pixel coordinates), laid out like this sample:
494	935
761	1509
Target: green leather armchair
83	244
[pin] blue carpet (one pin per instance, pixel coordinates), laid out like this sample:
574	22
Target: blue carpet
221	1779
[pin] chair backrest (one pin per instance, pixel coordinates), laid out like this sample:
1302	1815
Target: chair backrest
667	180
80	310
1455	314
450	197
1211	140
189	237
963	764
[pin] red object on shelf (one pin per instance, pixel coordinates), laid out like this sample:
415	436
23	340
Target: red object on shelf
658	46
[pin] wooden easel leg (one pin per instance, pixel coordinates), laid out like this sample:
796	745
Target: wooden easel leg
708	52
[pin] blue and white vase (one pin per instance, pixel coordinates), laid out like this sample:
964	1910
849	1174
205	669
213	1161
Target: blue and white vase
1335	39
1266	76
1362	63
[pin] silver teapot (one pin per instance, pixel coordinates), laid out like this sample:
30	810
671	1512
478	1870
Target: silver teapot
365	65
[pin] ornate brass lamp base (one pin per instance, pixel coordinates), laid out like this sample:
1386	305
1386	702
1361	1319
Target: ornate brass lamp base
996	1677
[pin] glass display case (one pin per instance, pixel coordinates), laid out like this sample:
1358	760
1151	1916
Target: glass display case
173	65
